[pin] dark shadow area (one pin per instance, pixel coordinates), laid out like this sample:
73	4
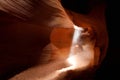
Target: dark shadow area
80	6
13	71
111	64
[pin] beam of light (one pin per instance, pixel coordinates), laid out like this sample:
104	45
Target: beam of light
74	56
72	60
75	47
79	58
76	37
